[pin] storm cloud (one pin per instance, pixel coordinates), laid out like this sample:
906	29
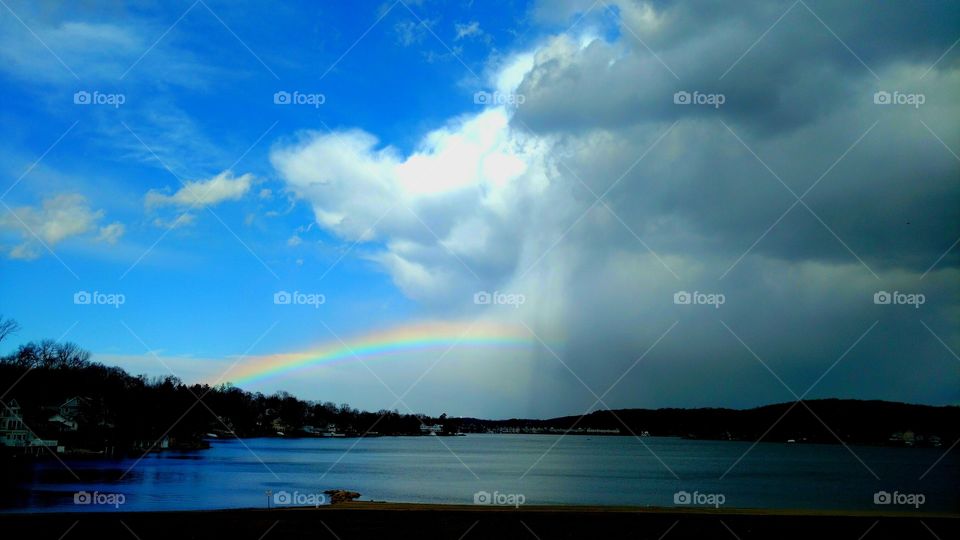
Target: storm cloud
792	158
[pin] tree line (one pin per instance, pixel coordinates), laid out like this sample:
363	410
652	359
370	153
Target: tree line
122	411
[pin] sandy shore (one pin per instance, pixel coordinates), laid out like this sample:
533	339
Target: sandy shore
426	521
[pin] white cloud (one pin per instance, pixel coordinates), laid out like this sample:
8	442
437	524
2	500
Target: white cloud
471	29
90	48
467	183
57	219
111	233
93	52
200	193
25	252
411	32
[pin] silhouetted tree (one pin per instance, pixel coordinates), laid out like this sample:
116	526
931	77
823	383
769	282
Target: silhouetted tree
7	327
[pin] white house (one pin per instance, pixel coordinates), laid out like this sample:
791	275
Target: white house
432	430
13	432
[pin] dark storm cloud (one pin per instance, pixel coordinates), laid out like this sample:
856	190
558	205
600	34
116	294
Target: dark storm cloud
884	190
797	73
799	99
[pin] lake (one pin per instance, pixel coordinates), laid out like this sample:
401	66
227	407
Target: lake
503	469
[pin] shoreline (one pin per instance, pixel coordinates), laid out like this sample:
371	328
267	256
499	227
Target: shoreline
361	505
366	519
207	443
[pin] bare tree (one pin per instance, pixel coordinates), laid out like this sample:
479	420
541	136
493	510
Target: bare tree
7	327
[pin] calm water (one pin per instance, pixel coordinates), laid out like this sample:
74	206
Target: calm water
578	470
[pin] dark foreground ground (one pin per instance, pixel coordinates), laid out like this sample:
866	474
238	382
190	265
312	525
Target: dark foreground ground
383	521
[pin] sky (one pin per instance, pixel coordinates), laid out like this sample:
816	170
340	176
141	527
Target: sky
492	209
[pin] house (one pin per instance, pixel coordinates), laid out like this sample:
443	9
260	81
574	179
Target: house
37	446
909	438
280	427
431	430
63	424
153	445
67	416
600	431
331	431
72	407
13	432
906	438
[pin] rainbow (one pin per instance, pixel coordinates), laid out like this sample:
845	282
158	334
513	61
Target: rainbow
415	337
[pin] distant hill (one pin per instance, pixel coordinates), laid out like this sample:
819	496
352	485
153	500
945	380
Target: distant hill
821	420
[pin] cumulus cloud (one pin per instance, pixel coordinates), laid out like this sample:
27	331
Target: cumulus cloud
455	198
56	219
600	197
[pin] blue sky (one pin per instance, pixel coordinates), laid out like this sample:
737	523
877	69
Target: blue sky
200	101
579	184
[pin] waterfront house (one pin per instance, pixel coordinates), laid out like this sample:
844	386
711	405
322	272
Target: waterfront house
38	446
13	432
430	430
163	443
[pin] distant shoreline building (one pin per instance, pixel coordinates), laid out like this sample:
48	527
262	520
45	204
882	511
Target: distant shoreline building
431	430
